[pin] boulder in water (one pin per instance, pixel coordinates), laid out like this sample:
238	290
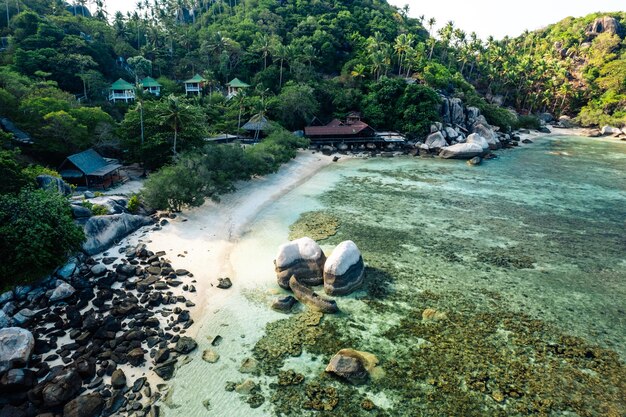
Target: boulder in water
352	365
309	297
301	257
103	231
461	151
344	270
16	345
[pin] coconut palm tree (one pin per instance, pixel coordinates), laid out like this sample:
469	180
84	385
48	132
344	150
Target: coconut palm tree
174	116
280	53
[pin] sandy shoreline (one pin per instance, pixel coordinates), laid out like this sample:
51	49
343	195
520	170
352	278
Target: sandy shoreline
202	239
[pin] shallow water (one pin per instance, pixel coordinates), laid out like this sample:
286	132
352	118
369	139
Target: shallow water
520	253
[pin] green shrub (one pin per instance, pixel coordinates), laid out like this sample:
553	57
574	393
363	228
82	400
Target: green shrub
37	234
99	210
528	122
133	204
33	171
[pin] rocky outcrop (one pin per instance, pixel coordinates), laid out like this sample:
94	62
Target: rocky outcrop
479	140
344	270
310	298
48	182
16	345
436	141
489	135
101	232
301	257
461	151
605	24
610	131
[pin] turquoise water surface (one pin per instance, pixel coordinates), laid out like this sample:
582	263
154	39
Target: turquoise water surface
520	261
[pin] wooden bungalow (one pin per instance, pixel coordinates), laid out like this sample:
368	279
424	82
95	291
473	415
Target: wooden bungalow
152	86
121	90
89	168
194	85
235	86
353	129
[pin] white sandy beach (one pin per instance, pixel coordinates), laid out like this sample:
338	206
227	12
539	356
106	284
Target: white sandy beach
202	239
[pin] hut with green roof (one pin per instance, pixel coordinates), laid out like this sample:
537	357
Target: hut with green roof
152	86
194	85
235	86
121	90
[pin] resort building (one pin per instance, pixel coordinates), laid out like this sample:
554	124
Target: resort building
90	169
121	90
235	86
194	85
351	131
152	86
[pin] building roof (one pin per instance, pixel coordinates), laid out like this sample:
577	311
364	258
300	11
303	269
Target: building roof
121	84
195	79
90	162
237	83
336	128
150	82
257	123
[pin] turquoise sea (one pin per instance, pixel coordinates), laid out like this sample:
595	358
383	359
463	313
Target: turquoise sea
520	264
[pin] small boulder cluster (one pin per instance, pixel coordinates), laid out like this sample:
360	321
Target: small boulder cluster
464	134
301	264
68	343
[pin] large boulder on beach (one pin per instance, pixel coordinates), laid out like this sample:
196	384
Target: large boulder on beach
48	182
461	151
610	130
87	405
479	140
489	135
62	291
61	388
310	298
16	345
301	257
101	232
436	141
344	270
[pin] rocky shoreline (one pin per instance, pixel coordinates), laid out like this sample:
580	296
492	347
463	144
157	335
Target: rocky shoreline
83	341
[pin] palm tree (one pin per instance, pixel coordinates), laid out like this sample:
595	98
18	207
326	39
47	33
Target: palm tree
431	23
173	116
280	53
309	53
401	46
358	71
263	45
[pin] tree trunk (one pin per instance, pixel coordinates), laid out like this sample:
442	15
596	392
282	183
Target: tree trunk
175	136
239	120
280	84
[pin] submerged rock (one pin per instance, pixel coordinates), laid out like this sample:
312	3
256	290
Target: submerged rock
210	355
477	160
461	151
303	258
309	297
284	304
344	270
353	365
